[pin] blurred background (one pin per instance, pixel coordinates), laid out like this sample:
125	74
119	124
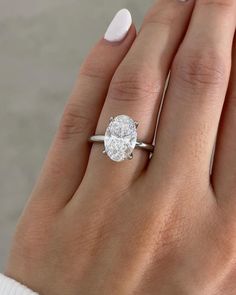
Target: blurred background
42	44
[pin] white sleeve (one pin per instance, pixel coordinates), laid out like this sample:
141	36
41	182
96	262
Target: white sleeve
11	287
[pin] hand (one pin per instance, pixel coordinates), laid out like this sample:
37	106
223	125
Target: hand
159	226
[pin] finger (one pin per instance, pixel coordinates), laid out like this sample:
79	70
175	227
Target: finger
137	87
224	168
193	104
67	159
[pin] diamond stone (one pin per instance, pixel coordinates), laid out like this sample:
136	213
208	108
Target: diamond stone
120	138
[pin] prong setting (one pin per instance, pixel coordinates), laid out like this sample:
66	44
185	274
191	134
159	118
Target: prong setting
120	138
131	156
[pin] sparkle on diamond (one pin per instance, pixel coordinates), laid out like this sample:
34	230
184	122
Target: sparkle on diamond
120	138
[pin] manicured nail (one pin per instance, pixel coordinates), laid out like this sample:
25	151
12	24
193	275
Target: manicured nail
119	26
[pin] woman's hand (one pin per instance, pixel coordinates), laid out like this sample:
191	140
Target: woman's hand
159	226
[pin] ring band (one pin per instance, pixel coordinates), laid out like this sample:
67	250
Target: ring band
121	139
138	145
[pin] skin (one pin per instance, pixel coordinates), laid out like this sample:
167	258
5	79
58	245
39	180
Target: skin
160	226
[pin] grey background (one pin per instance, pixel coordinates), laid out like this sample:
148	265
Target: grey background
42	44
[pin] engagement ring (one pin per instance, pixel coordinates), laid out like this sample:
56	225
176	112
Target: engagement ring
121	139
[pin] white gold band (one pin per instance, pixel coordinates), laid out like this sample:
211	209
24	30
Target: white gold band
139	144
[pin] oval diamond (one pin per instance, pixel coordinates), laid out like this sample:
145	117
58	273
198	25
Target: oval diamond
120	138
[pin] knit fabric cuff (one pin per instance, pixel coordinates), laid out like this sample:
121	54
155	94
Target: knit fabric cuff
9	286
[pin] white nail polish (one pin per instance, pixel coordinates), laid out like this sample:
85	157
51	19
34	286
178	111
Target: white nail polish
119	26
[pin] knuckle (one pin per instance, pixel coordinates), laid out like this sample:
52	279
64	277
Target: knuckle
170	226
173	233
161	16
94	67
134	86
158	20
75	121
92	71
201	70
217	3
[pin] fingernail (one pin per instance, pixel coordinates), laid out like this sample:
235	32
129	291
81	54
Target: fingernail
119	26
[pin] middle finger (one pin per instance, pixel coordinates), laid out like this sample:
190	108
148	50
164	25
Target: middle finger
196	93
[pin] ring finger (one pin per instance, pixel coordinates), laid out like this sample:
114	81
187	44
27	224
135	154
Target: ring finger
137	87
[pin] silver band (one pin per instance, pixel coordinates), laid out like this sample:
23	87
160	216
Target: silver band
139	144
